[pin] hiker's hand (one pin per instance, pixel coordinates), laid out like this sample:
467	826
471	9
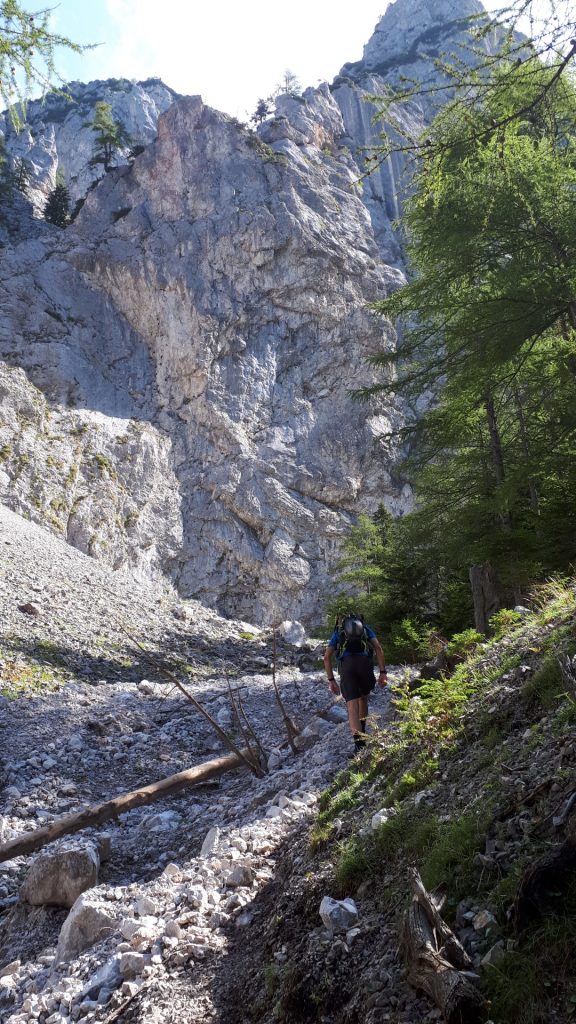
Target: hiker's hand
382	679
333	686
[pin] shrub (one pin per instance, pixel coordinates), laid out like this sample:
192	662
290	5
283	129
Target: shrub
463	644
504	622
411	641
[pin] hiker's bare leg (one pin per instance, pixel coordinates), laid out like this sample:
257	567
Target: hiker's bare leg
363	712
353	707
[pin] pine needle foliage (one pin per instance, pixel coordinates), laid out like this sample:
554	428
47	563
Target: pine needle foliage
28	55
488	331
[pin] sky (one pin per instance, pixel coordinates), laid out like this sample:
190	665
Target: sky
230	52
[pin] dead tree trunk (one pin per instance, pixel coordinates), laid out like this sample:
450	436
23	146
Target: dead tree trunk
484	594
436	960
95	814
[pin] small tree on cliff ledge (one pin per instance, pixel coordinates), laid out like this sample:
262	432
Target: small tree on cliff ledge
57	208
111	135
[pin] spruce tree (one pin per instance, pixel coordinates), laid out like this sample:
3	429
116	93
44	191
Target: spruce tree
57	208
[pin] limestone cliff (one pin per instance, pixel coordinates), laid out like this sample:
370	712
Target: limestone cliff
195	336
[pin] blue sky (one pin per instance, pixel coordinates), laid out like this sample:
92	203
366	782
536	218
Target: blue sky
230	52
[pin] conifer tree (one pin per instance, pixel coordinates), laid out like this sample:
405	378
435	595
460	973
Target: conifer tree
488	329
57	208
261	112
111	135
21	174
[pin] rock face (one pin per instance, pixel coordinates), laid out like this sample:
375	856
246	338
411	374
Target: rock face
187	348
55	138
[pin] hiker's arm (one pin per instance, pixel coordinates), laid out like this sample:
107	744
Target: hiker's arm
382	679
329	671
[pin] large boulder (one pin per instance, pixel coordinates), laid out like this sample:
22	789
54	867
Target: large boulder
59	878
86	924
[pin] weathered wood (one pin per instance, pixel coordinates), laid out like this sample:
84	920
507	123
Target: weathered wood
96	814
484	594
436	960
543	886
244	755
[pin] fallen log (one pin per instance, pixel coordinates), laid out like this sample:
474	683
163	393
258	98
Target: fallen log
96	814
436	960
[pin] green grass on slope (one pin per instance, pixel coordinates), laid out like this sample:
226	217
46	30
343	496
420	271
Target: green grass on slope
456	736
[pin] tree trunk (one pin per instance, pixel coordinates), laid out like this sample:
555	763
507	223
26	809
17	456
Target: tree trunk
95	814
436	960
534	496
484	594
496	452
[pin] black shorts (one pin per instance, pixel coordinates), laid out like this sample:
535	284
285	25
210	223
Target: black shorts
356	676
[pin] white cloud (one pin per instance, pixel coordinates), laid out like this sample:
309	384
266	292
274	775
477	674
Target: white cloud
229	52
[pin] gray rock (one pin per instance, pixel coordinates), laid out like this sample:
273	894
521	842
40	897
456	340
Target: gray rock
338	915
210	844
107	977
132	964
494	955
59	878
85	925
242	875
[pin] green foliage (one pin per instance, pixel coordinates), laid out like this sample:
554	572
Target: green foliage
27	55
489	329
536	982
463	644
111	135
503	622
57	208
410	641
261	112
545	686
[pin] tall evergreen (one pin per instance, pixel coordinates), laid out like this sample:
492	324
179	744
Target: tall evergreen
57	208
488	331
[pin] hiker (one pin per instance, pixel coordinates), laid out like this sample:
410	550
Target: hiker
354	644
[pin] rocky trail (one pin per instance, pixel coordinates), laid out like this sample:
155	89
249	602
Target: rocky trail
176	890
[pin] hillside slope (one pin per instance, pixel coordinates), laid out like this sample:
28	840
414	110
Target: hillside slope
472	779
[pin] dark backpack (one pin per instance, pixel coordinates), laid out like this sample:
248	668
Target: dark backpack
352	637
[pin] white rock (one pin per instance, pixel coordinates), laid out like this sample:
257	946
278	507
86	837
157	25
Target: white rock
338	915
145	906
146	687
173	930
128	928
210	842
86	924
382	816
274	812
293	632
10	968
172	871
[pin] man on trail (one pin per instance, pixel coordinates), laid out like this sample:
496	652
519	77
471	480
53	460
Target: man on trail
354	645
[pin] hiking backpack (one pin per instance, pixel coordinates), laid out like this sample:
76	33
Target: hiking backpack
352	637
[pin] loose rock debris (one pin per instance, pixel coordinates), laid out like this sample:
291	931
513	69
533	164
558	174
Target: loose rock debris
82	719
